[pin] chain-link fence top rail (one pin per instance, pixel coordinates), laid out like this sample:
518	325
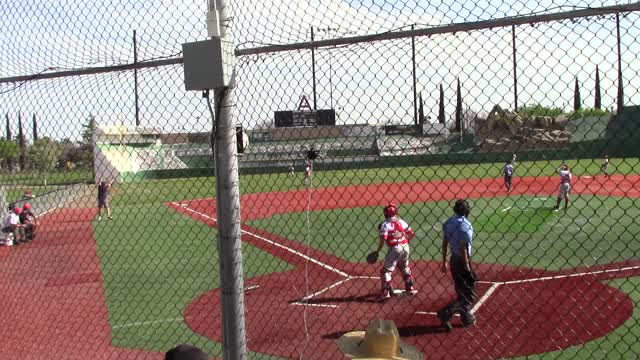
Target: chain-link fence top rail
411	103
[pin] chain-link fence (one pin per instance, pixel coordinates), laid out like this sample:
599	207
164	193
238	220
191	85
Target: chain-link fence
528	110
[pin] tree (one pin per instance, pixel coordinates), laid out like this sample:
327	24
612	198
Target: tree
597	103
9	138
34	125
71	152
86	144
458	108
8	151
576	96
9	134
22	143
421	111
44	155
441	119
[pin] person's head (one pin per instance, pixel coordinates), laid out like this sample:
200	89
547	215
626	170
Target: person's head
507	162
565	167
185	352
26	207
17	210
461	207
390	211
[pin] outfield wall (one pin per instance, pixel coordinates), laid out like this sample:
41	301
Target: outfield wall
592	137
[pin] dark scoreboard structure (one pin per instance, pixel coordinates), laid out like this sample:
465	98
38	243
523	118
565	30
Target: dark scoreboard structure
305	118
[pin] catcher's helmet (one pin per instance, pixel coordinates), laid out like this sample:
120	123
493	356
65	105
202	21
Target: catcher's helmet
26	206
390	211
461	208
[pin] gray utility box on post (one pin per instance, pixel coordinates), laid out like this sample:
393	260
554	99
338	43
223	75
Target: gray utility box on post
203	68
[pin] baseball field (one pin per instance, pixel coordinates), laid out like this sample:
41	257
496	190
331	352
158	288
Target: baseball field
553	285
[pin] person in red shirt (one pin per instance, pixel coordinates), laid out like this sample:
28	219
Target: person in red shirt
396	234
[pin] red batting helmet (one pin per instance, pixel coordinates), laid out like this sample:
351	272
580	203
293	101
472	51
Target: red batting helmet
390	211
17	210
26	206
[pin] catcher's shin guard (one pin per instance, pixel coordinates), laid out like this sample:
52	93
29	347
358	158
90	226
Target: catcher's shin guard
385	280
408	283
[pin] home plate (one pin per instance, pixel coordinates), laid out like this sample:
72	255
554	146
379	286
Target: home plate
400	292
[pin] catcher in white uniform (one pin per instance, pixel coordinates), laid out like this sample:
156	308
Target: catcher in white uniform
396	234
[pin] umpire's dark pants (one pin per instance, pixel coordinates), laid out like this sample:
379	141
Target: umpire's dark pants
465	283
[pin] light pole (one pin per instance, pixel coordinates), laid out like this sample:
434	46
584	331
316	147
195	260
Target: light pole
327	30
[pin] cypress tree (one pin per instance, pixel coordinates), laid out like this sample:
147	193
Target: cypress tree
9	138
21	143
597	103
421	111
441	106
576	96
458	108
34	125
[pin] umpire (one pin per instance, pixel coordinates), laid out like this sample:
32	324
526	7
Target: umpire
457	236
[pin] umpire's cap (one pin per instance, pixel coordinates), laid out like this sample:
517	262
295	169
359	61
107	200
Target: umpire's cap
185	352
461	207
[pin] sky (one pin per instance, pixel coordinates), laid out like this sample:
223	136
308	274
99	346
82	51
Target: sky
367	83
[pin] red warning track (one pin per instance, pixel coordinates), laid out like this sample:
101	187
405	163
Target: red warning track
53	304
520	311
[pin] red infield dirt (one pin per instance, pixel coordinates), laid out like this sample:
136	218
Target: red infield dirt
54	305
520	311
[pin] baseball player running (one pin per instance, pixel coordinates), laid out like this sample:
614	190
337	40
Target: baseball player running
565	186
396	234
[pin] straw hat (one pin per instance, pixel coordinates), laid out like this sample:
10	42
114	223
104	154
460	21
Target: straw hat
381	340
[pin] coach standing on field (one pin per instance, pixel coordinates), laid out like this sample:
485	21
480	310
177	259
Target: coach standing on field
103	202
458	236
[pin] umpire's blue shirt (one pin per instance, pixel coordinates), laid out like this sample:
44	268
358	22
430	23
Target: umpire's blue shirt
455	230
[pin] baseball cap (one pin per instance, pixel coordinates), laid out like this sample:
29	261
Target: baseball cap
185	352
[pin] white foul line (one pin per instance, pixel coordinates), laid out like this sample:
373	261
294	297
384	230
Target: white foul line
330	268
556	277
143	323
315	305
484	297
325	289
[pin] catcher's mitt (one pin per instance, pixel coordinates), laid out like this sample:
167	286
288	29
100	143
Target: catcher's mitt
372	258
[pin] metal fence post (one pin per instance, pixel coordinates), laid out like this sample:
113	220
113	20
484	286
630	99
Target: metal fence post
228	201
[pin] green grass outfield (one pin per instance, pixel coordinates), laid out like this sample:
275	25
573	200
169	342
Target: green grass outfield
155	260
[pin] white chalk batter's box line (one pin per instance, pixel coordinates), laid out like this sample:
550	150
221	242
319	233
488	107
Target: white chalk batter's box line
494	284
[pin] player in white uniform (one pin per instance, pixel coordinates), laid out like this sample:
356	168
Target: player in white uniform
565	186
396	234
10	225
605	166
